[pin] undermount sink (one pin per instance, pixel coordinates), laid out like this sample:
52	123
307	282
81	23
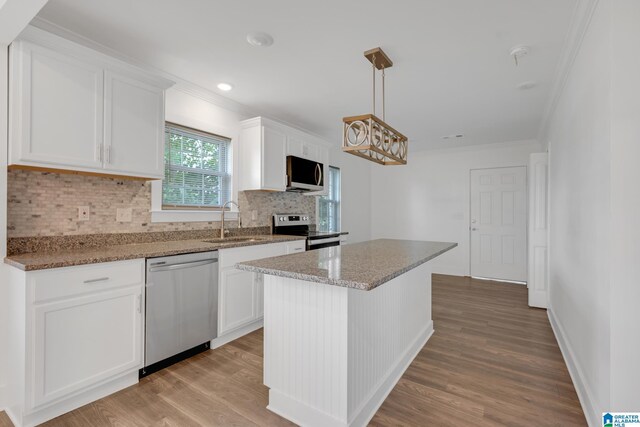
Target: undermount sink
235	240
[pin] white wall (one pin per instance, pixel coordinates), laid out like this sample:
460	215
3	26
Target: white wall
594	138
205	114
200	112
3	221
625	207
429	197
356	194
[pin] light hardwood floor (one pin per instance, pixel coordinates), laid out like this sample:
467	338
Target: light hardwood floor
492	361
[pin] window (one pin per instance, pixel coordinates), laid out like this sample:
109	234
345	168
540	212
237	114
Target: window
329	205
196	169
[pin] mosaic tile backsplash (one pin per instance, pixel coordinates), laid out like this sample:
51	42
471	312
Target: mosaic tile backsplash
46	204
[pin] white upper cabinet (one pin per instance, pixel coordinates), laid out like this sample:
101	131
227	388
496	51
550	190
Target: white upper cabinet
301	148
73	108
262	149
134	126
264	146
57	108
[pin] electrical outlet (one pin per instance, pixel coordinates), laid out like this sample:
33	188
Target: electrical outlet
124	214
254	215
83	213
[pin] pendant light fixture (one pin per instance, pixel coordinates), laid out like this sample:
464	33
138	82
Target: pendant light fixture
369	137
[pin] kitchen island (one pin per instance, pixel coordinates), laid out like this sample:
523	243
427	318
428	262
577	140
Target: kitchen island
342	324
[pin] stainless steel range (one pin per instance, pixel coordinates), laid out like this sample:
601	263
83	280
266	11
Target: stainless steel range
298	225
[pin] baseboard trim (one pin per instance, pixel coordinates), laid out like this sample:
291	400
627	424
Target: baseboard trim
377	398
577	377
295	410
49	412
236	333
3	397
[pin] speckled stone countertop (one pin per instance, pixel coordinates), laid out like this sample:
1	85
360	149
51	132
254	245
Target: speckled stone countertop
68	258
362	266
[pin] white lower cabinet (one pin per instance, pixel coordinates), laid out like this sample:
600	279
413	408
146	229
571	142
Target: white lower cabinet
237	296
79	342
83	336
241	299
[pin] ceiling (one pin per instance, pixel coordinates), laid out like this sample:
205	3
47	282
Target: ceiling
452	71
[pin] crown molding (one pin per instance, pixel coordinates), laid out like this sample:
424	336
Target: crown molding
181	85
528	143
582	15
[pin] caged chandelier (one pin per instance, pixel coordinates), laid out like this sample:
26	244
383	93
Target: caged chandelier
369	137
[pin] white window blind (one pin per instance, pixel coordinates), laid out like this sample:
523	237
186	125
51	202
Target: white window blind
196	169
329	205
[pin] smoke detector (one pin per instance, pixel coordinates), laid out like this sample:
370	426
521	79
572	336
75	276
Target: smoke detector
518	52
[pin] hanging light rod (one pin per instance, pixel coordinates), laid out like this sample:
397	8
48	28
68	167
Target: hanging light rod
368	136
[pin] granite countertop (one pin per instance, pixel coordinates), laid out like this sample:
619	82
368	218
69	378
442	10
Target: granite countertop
362	266
67	258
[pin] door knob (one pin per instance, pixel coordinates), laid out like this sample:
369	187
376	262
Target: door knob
473	229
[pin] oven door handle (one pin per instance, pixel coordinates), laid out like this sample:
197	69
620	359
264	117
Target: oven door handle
316	242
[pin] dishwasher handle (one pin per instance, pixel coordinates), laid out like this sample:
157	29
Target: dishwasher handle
181	265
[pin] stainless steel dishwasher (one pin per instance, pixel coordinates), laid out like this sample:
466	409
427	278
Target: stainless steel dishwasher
181	307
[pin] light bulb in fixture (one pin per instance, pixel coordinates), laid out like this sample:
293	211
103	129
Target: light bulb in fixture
225	87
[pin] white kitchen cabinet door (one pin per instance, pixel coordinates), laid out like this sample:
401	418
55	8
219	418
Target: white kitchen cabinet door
237	299
134	126
81	341
259	281
56	108
274	168
300	148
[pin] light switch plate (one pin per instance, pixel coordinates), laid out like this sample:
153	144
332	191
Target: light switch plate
83	213
124	214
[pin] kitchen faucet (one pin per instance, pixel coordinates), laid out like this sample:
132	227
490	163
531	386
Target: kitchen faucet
222	225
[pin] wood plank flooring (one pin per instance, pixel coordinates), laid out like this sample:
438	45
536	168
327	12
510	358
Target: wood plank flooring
491	362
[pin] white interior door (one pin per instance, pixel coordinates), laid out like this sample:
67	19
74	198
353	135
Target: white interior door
499	223
538	228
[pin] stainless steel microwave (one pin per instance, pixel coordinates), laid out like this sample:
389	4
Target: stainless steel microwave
304	175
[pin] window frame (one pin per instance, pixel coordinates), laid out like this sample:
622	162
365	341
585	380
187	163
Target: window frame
225	176
326	198
160	214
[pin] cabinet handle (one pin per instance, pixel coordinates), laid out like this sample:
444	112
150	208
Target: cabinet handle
101	279
298	249
318	174
99	150
139	303
109	154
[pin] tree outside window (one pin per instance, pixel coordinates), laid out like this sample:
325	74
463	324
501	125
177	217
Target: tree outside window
196	169
329	205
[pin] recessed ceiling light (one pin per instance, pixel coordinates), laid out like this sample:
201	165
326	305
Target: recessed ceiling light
259	39
225	87
526	85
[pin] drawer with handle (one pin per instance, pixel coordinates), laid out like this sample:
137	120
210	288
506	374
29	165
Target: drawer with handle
79	280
